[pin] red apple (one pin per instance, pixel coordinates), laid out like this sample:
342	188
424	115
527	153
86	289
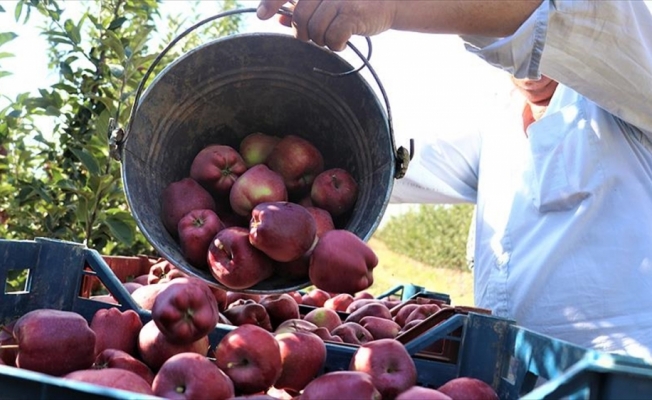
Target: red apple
323	220
357	303
376	309
196	231
248	312
380	328
353	333
341	384
468	388
154	348
315	297
258	184
216	167
339	302
325	317
114	378
295	269
232	297
115	329
422	393
235	262
284	231
256	147
145	295
298	161
404	312
280	307
341	262
114	358
422	312
391	367
185	311
8	354
303	355
251	357
295	325
192	376
54	342
181	197
334	190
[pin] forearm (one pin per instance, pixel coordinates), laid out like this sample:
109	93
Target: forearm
493	18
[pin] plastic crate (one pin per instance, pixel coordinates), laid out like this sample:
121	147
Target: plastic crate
57	273
496	350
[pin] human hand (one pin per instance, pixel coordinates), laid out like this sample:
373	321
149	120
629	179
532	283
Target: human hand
332	22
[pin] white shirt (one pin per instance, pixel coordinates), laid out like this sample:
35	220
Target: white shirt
564	215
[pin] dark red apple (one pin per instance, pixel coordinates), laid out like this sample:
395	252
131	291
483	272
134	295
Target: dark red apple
422	393
54	342
341	384
380	328
335	190
341	262
192	376
339	302
376	309
353	333
389	364
216	167
248	312
185	311
315	297
325	317
181	197
422	312
235	262
468	388
196	231
154	349
284	231
256	147
280	307
114	378
298	161
258	184
303	355
251	357
323	220
114	358
115	329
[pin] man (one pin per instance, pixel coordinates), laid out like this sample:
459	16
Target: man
563	190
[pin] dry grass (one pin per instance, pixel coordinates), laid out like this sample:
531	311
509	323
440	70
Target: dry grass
395	269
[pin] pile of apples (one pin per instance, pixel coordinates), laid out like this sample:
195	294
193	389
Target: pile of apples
268	209
171	355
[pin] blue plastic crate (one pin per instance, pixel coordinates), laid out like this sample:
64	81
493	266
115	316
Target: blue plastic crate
496	350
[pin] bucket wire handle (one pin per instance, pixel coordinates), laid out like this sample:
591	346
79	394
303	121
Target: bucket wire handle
118	136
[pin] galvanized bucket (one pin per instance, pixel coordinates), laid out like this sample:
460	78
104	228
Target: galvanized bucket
225	89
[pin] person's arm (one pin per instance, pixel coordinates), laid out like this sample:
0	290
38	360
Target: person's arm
601	49
333	22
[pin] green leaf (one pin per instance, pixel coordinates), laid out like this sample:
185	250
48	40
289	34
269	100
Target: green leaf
73	31
53	111
116	23
7	37
65	70
6	55
18	10
87	159
120	229
113	42
4	73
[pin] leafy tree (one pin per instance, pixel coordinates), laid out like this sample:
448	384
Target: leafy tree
434	235
57	178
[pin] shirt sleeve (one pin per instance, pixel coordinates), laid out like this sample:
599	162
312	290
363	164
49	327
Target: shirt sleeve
600	49
443	170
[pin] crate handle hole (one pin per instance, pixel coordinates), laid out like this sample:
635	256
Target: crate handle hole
17	281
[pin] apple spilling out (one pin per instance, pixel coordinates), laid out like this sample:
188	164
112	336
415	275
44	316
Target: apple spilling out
277	188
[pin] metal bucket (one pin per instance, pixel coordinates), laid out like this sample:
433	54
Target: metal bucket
230	87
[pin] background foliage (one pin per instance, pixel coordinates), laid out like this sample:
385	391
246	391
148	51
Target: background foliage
433	235
56	177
